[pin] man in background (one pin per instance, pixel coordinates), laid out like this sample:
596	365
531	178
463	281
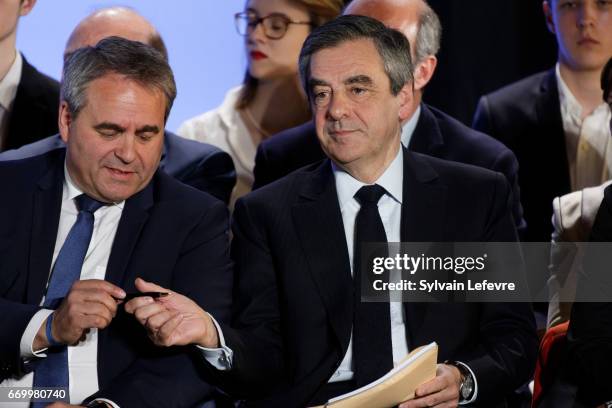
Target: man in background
29	100
79	224
556	121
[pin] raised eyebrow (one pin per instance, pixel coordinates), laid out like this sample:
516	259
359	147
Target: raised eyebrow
359	79
109	126
148	129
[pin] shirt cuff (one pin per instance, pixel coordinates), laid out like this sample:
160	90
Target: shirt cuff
109	402
27	339
221	358
475	394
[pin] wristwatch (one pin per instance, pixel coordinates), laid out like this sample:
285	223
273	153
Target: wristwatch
466	387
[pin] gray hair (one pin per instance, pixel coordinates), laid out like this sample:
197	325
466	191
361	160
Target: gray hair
392	46
114	55
428	36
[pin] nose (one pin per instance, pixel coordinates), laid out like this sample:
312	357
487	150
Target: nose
338	107
126	149
587	14
256	34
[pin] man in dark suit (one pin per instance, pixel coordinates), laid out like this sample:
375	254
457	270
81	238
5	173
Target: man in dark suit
199	165
80	224
426	130
557	137
29	100
300	332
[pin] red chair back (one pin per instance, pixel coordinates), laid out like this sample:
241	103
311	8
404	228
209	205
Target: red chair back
549	358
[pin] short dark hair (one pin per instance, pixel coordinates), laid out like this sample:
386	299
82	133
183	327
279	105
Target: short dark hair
392	46
136	61
606	80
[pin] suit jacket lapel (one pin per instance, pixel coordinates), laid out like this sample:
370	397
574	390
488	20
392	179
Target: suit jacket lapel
427	137
548	115
318	210
318	223
28	104
133	218
45	222
422	220
135	214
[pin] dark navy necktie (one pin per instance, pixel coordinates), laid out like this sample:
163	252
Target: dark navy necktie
52	371
372	348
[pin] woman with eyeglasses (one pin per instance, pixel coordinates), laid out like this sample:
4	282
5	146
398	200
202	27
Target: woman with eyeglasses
270	98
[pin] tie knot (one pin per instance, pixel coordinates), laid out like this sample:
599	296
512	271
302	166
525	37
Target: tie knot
369	194
88	204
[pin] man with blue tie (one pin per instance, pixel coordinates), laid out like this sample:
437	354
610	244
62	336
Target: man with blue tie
200	165
78	225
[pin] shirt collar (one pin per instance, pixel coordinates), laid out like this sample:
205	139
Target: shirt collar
10	82
569	103
408	128
391	180
71	191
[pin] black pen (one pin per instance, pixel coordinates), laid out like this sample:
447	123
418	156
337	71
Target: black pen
154	295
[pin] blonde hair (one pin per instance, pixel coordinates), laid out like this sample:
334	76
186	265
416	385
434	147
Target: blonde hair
320	12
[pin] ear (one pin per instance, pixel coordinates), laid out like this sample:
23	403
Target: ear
423	71
548	15
406	102
26	7
64	121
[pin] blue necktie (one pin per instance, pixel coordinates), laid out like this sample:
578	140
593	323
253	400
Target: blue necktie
52	371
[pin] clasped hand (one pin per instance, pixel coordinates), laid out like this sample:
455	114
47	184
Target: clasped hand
89	304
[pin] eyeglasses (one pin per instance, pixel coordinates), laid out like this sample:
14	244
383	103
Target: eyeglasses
274	25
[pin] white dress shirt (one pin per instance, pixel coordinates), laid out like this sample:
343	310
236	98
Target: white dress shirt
82	358
409	126
390	210
8	91
589	150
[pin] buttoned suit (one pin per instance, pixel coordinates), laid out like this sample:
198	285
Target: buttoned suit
294	296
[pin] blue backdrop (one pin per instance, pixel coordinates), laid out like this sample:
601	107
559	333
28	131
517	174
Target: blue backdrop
205	51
